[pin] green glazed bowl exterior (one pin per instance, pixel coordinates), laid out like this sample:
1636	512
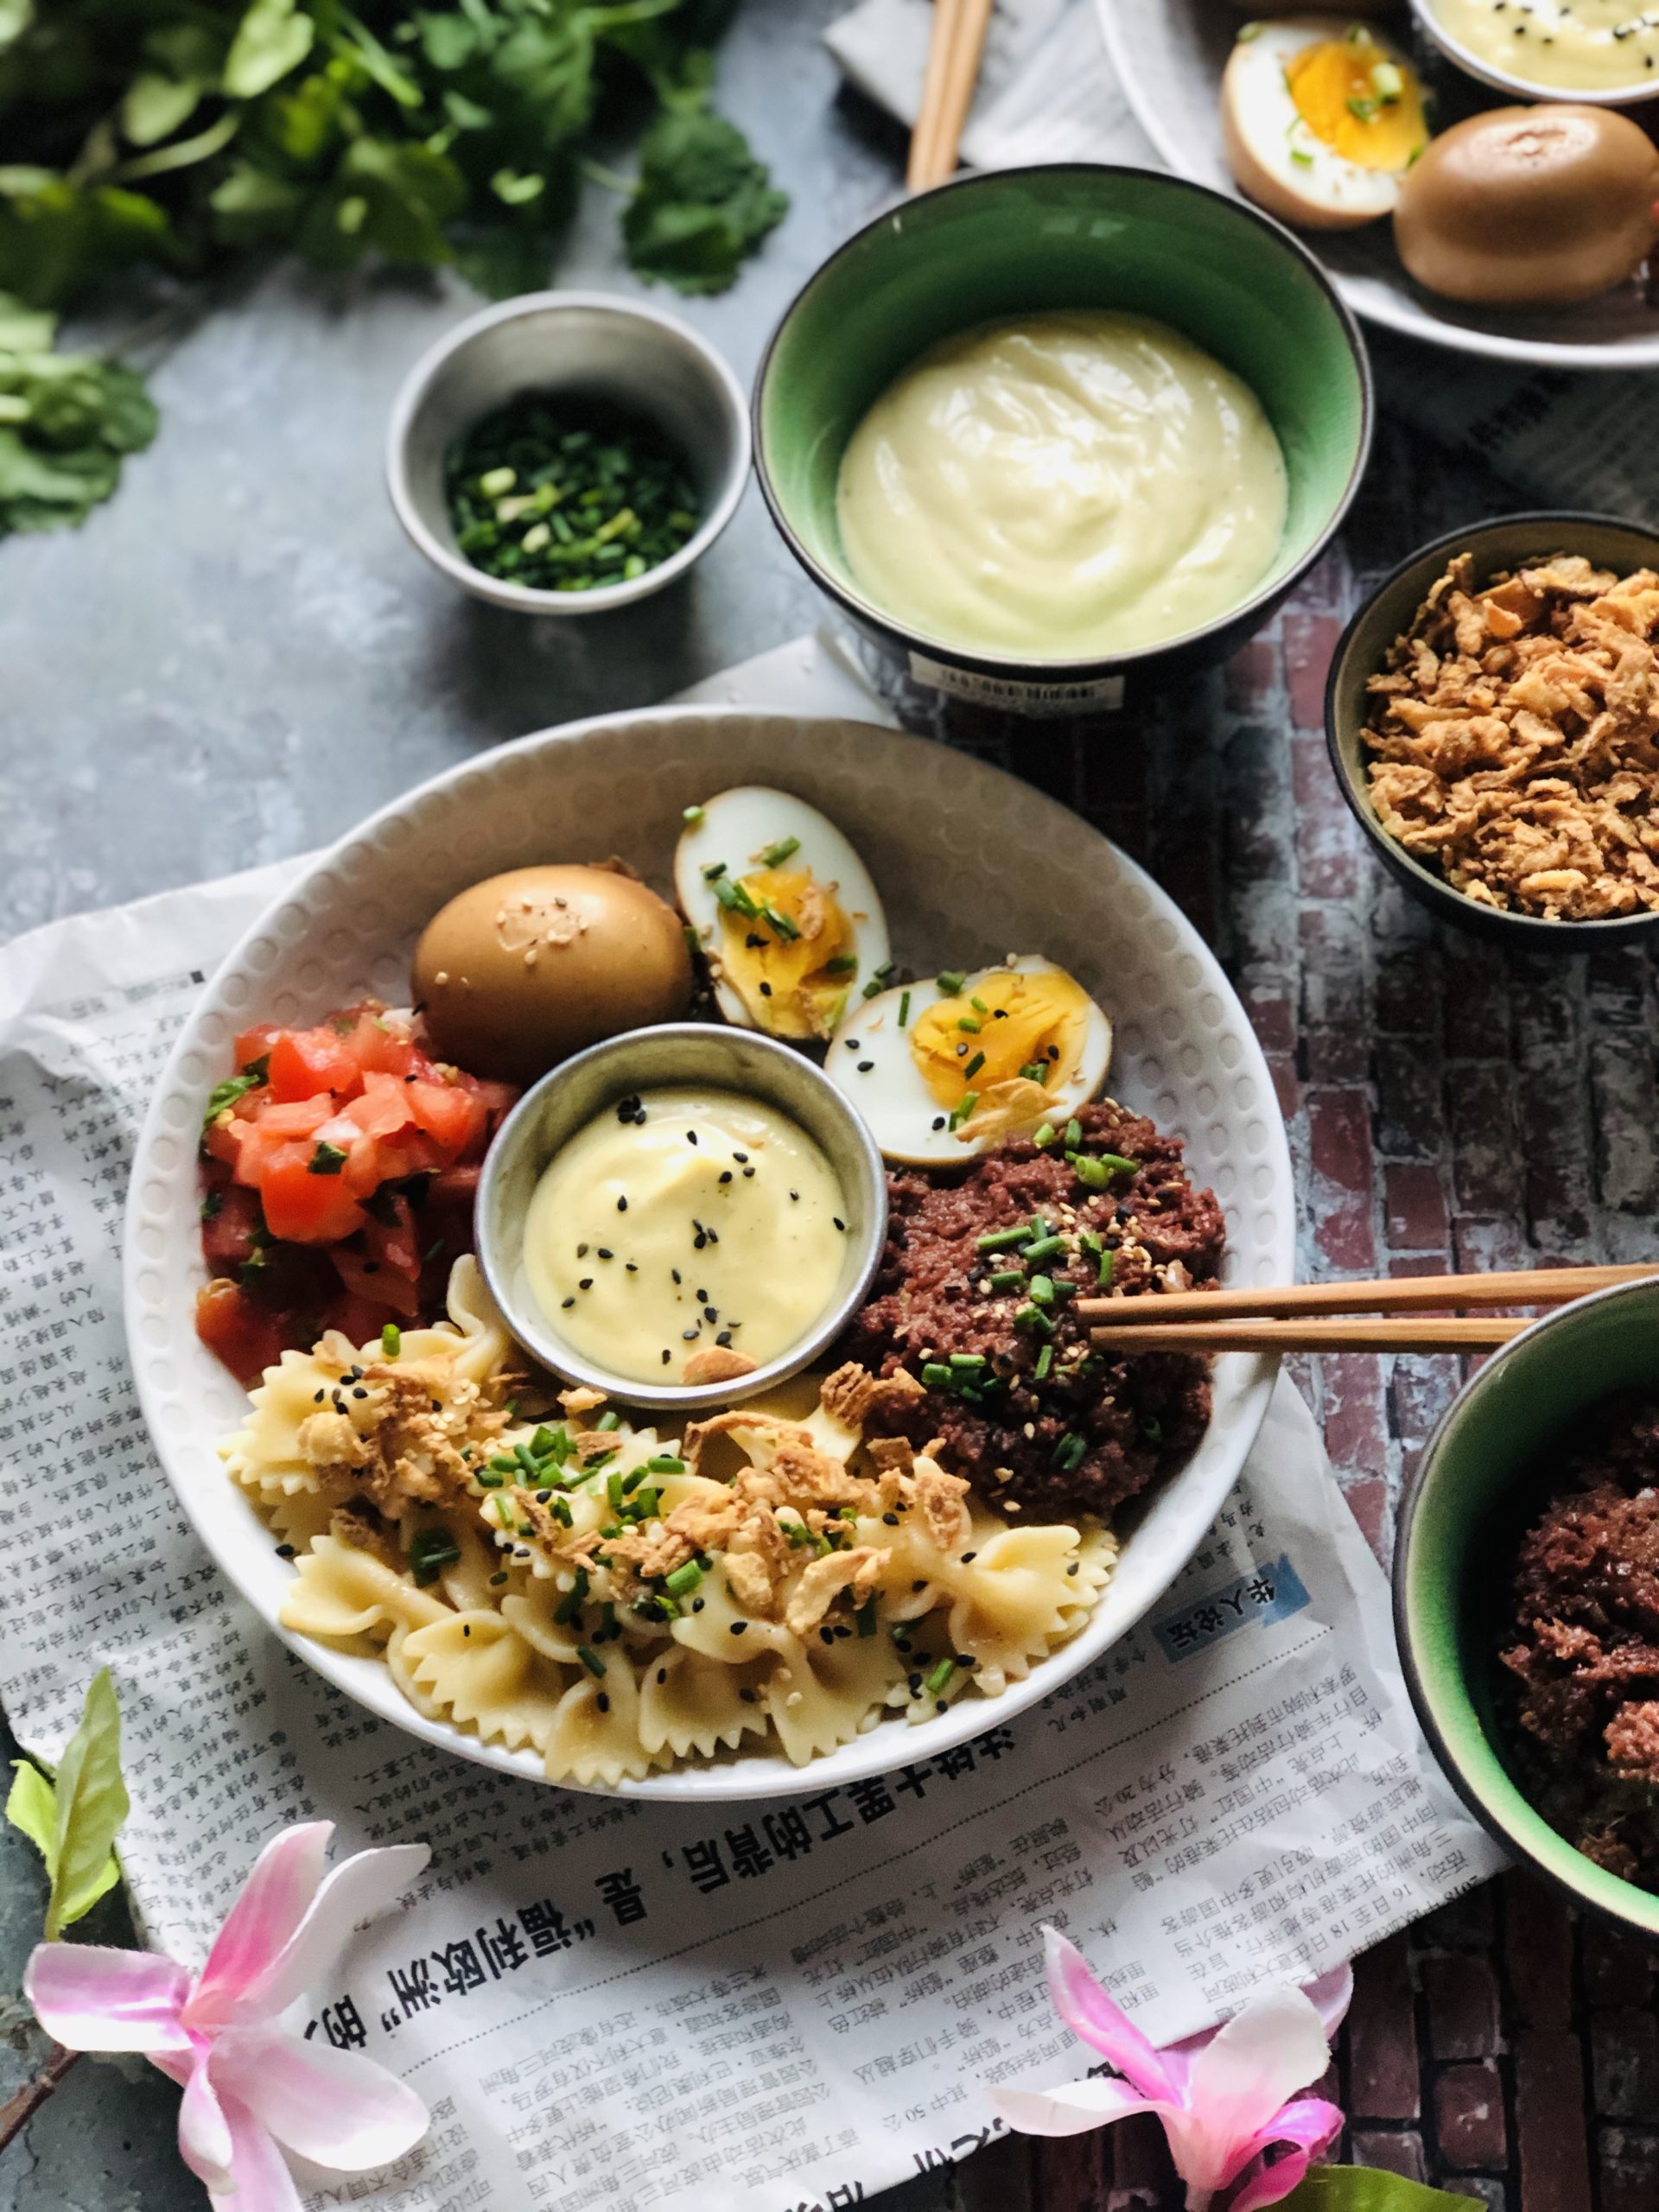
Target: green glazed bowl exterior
1474	1489
1505	542
1017	242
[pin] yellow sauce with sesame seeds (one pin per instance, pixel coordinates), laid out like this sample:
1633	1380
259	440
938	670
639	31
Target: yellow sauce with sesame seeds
687	1222
1564	45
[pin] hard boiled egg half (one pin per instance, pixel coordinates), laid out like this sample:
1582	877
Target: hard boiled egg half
1321	117
944	1069
783	911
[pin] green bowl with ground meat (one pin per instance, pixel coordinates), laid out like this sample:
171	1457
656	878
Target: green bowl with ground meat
1495	1463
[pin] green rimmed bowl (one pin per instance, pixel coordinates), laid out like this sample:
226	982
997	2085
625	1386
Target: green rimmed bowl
1478	1485
1013	242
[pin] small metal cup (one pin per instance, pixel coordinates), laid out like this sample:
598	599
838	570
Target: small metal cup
552	1113
634	357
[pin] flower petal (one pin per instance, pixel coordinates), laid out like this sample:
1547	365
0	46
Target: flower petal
260	2181
335	2107
1270	2049
1072	2109
356	1888
90	1996
1331	1996
205	2142
1311	2126
1089	2012
272	1904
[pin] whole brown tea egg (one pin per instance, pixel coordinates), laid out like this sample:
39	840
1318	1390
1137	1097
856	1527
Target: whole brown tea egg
1529	207
521	970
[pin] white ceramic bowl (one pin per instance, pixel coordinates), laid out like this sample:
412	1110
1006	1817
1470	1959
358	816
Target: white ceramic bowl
634	356
933	825
1169	55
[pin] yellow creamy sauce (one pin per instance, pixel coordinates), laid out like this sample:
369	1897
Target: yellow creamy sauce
1569	45
1072	485
713	1220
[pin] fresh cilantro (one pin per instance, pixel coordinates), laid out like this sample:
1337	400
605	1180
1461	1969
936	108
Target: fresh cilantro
226	1093
67	421
703	202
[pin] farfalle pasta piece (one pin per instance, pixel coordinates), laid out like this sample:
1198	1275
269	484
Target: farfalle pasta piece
691	1705
477	1669
342	1593
594	1736
822	1695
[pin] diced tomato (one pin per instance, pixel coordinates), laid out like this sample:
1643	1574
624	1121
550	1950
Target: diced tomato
228	1234
498	1100
222	1141
450	1114
373	1280
361	1319
306	1061
305	1208
375	1047
247	1336
253	1044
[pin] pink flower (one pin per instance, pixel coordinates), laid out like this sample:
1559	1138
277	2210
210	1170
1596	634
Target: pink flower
1225	2097
251	2083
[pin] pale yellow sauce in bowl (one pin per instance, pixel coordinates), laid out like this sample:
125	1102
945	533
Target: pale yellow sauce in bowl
1074	484
1599	48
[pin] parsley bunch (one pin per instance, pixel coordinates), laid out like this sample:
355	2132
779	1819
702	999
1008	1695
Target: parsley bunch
174	131
66	422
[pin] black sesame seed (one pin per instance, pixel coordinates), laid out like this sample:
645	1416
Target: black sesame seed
690	1137
766	990
662	1674
697	1604
667	1356
359	1393
740	1628
839	1222
796	1196
585	1283
748	1174
603	1702
725	1337
674	1273
319	1398
605	1253
581	1251
891	1520
740	1157
691	1336
938	1121
284	1551
864	1067
725	1174
826	1635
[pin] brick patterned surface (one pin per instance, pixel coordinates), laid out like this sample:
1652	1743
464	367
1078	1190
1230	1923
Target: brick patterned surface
1448	1105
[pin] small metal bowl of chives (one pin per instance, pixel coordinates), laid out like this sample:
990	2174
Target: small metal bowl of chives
568	451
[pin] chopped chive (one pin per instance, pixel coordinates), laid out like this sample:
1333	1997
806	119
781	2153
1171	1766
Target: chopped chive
1043	1249
1104	1278
844	964
430	1550
973	1067
683	1580
608	1421
950	981
1043	1134
714	870
1032	1317
1035	1072
904	1009
940	1677
1007	1279
864	1617
1040	1290
967	1359
1002	1240
1068	1453
573	1601
1073	1134
391	1340
785	848
591	1660
934	1375
964	1107
979	1006
664	1462
1044	1361
969	1024
693	815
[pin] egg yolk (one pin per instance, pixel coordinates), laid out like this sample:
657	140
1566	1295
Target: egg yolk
1003	1026
787	948
1357	101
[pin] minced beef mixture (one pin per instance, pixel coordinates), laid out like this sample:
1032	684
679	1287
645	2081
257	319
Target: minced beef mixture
1584	1699
1047	1423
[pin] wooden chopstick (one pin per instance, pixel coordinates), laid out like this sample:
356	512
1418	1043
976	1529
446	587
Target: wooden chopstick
1321	1332
1386	1294
954	55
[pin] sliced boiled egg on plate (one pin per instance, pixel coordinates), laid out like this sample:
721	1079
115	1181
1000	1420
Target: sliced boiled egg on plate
783	912
944	1069
1321	117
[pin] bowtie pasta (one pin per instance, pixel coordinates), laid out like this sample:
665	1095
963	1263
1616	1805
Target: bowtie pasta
538	1570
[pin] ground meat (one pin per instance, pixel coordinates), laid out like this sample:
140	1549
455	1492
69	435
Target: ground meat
1582	1701
1120	1420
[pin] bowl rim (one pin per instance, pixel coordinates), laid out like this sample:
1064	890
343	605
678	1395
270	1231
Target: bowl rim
1526	88
522	598
1062	669
1534	930
1583	1881
544	1342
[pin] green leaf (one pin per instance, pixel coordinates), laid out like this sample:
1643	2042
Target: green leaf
56	239
66	420
503	263
185	153
92	1803
15	16
704	203
1366	2189
155	105
250	204
271	39
32	1807
448	41
25	330
542	72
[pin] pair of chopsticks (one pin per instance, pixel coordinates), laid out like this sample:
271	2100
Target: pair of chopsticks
953	59
1315	1316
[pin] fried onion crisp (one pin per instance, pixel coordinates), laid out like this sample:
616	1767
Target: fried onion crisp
1511	738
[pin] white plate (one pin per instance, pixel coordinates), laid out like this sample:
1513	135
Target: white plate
971	864
1169	56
